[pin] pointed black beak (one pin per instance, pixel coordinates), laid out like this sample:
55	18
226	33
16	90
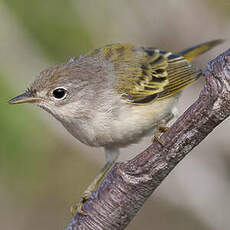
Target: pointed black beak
24	98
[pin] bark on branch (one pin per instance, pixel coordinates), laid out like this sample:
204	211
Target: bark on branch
129	184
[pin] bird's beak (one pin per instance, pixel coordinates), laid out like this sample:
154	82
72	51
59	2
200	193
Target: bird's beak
24	98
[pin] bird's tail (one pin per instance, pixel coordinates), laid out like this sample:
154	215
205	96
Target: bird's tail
197	50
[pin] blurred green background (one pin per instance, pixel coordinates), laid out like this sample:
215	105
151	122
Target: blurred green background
43	169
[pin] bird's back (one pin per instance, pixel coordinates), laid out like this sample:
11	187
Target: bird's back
145	74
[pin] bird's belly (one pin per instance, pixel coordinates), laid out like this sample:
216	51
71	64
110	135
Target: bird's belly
132	123
127	126
141	121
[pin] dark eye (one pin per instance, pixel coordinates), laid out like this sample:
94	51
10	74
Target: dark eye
59	93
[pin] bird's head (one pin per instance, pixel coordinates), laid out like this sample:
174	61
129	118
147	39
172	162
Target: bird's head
66	90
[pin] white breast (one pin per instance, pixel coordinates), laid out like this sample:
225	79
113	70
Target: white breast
115	125
129	123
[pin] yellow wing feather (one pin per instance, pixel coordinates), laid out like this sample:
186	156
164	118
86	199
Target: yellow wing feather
145	74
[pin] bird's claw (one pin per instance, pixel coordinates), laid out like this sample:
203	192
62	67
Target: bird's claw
157	136
163	129
78	208
158	139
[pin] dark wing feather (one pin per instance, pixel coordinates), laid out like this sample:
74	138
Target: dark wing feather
145	74
180	74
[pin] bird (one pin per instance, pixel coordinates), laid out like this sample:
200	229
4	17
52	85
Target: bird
115	95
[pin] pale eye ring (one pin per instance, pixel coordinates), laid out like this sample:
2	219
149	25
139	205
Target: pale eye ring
59	93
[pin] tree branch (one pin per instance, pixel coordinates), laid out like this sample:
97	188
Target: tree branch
129	184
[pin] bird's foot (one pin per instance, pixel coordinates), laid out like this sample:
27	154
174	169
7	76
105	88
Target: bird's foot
78	207
157	137
163	128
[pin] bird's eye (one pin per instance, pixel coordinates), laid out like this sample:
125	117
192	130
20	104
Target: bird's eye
59	93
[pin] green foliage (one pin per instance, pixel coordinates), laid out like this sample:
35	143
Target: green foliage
30	152
22	147
32	157
53	24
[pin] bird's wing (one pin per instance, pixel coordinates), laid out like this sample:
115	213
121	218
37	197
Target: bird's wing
145	74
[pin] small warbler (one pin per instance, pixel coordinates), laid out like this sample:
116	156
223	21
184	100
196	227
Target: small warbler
114	95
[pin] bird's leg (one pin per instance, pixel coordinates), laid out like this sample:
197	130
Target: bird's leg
111	157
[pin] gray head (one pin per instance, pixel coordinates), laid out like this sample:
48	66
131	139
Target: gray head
68	89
